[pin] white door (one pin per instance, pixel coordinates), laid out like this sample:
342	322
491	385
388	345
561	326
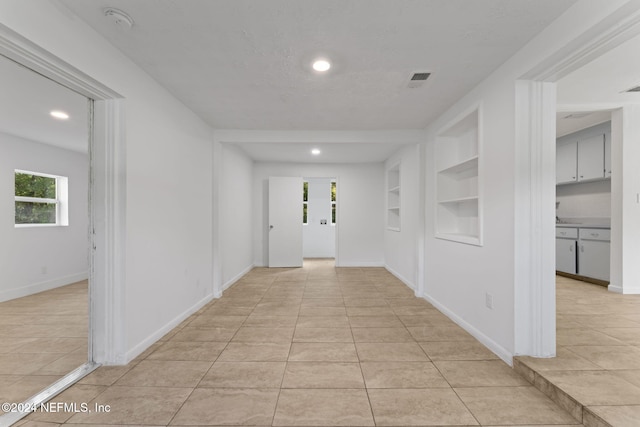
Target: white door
285	221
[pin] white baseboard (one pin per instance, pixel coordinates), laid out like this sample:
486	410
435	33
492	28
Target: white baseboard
400	277
496	348
151	339
237	277
34	288
359	264
626	290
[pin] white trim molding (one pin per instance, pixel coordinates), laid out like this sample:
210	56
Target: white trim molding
107	192
535	157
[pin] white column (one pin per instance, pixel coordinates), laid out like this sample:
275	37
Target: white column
534	245
625	200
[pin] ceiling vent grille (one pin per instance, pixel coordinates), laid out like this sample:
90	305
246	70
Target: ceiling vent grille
418	79
634	89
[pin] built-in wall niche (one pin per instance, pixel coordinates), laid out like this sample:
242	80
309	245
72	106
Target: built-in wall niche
393	198
459	204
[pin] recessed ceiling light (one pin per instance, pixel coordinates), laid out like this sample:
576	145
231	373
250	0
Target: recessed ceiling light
315	151
59	114
321	65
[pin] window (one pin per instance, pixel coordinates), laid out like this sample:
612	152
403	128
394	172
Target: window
305	200
40	199
333	202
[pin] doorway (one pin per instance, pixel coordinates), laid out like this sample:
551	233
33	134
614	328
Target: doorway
319	217
44	161
106	203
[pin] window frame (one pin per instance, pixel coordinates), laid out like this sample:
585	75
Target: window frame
334	202
305	203
60	201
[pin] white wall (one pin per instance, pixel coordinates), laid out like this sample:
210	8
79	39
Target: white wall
169	159
584	200
319	240
26	253
236	214
360	209
459	276
401	247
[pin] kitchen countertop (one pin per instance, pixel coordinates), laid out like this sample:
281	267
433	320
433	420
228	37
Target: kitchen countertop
582	225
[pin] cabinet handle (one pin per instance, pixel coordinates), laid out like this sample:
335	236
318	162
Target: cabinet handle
595	234
581	176
563	233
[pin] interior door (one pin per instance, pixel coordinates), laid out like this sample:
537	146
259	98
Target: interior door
285	222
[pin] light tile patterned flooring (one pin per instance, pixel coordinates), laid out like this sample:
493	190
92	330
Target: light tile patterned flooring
596	373
42	338
316	346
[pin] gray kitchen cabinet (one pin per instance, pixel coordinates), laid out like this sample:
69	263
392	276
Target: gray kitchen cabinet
566	162
566	239
607	156
591	158
593	254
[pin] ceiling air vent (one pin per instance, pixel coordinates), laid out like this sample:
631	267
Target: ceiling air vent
418	79
634	89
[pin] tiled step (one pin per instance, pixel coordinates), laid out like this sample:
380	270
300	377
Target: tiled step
577	410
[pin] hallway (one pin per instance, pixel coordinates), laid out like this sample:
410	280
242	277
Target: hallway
315	346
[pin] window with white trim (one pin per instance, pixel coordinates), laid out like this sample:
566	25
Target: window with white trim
333	202
40	199
305	200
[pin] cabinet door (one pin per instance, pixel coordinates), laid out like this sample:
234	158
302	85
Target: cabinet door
607	156
566	255
593	259
591	158
566	162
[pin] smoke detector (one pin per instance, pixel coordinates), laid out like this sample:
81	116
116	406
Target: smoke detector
418	79
119	18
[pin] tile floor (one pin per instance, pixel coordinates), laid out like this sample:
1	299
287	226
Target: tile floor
316	346
596	374
42	338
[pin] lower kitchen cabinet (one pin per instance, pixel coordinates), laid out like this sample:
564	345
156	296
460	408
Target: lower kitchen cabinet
593	254
566	239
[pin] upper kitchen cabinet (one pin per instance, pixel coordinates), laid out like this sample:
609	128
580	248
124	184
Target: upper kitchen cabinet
591	158
566	162
584	155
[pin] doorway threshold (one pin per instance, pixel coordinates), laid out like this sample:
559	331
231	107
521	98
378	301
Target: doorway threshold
35	402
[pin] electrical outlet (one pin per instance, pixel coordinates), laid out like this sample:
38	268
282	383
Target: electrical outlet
488	300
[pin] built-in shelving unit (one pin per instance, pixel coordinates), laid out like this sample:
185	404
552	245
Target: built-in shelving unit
393	198
459	207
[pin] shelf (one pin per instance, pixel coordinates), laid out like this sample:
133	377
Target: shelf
458	200
461	238
470	164
393	197
458	212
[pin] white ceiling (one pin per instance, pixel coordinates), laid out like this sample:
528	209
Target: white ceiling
599	87
245	64
329	152
27	98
